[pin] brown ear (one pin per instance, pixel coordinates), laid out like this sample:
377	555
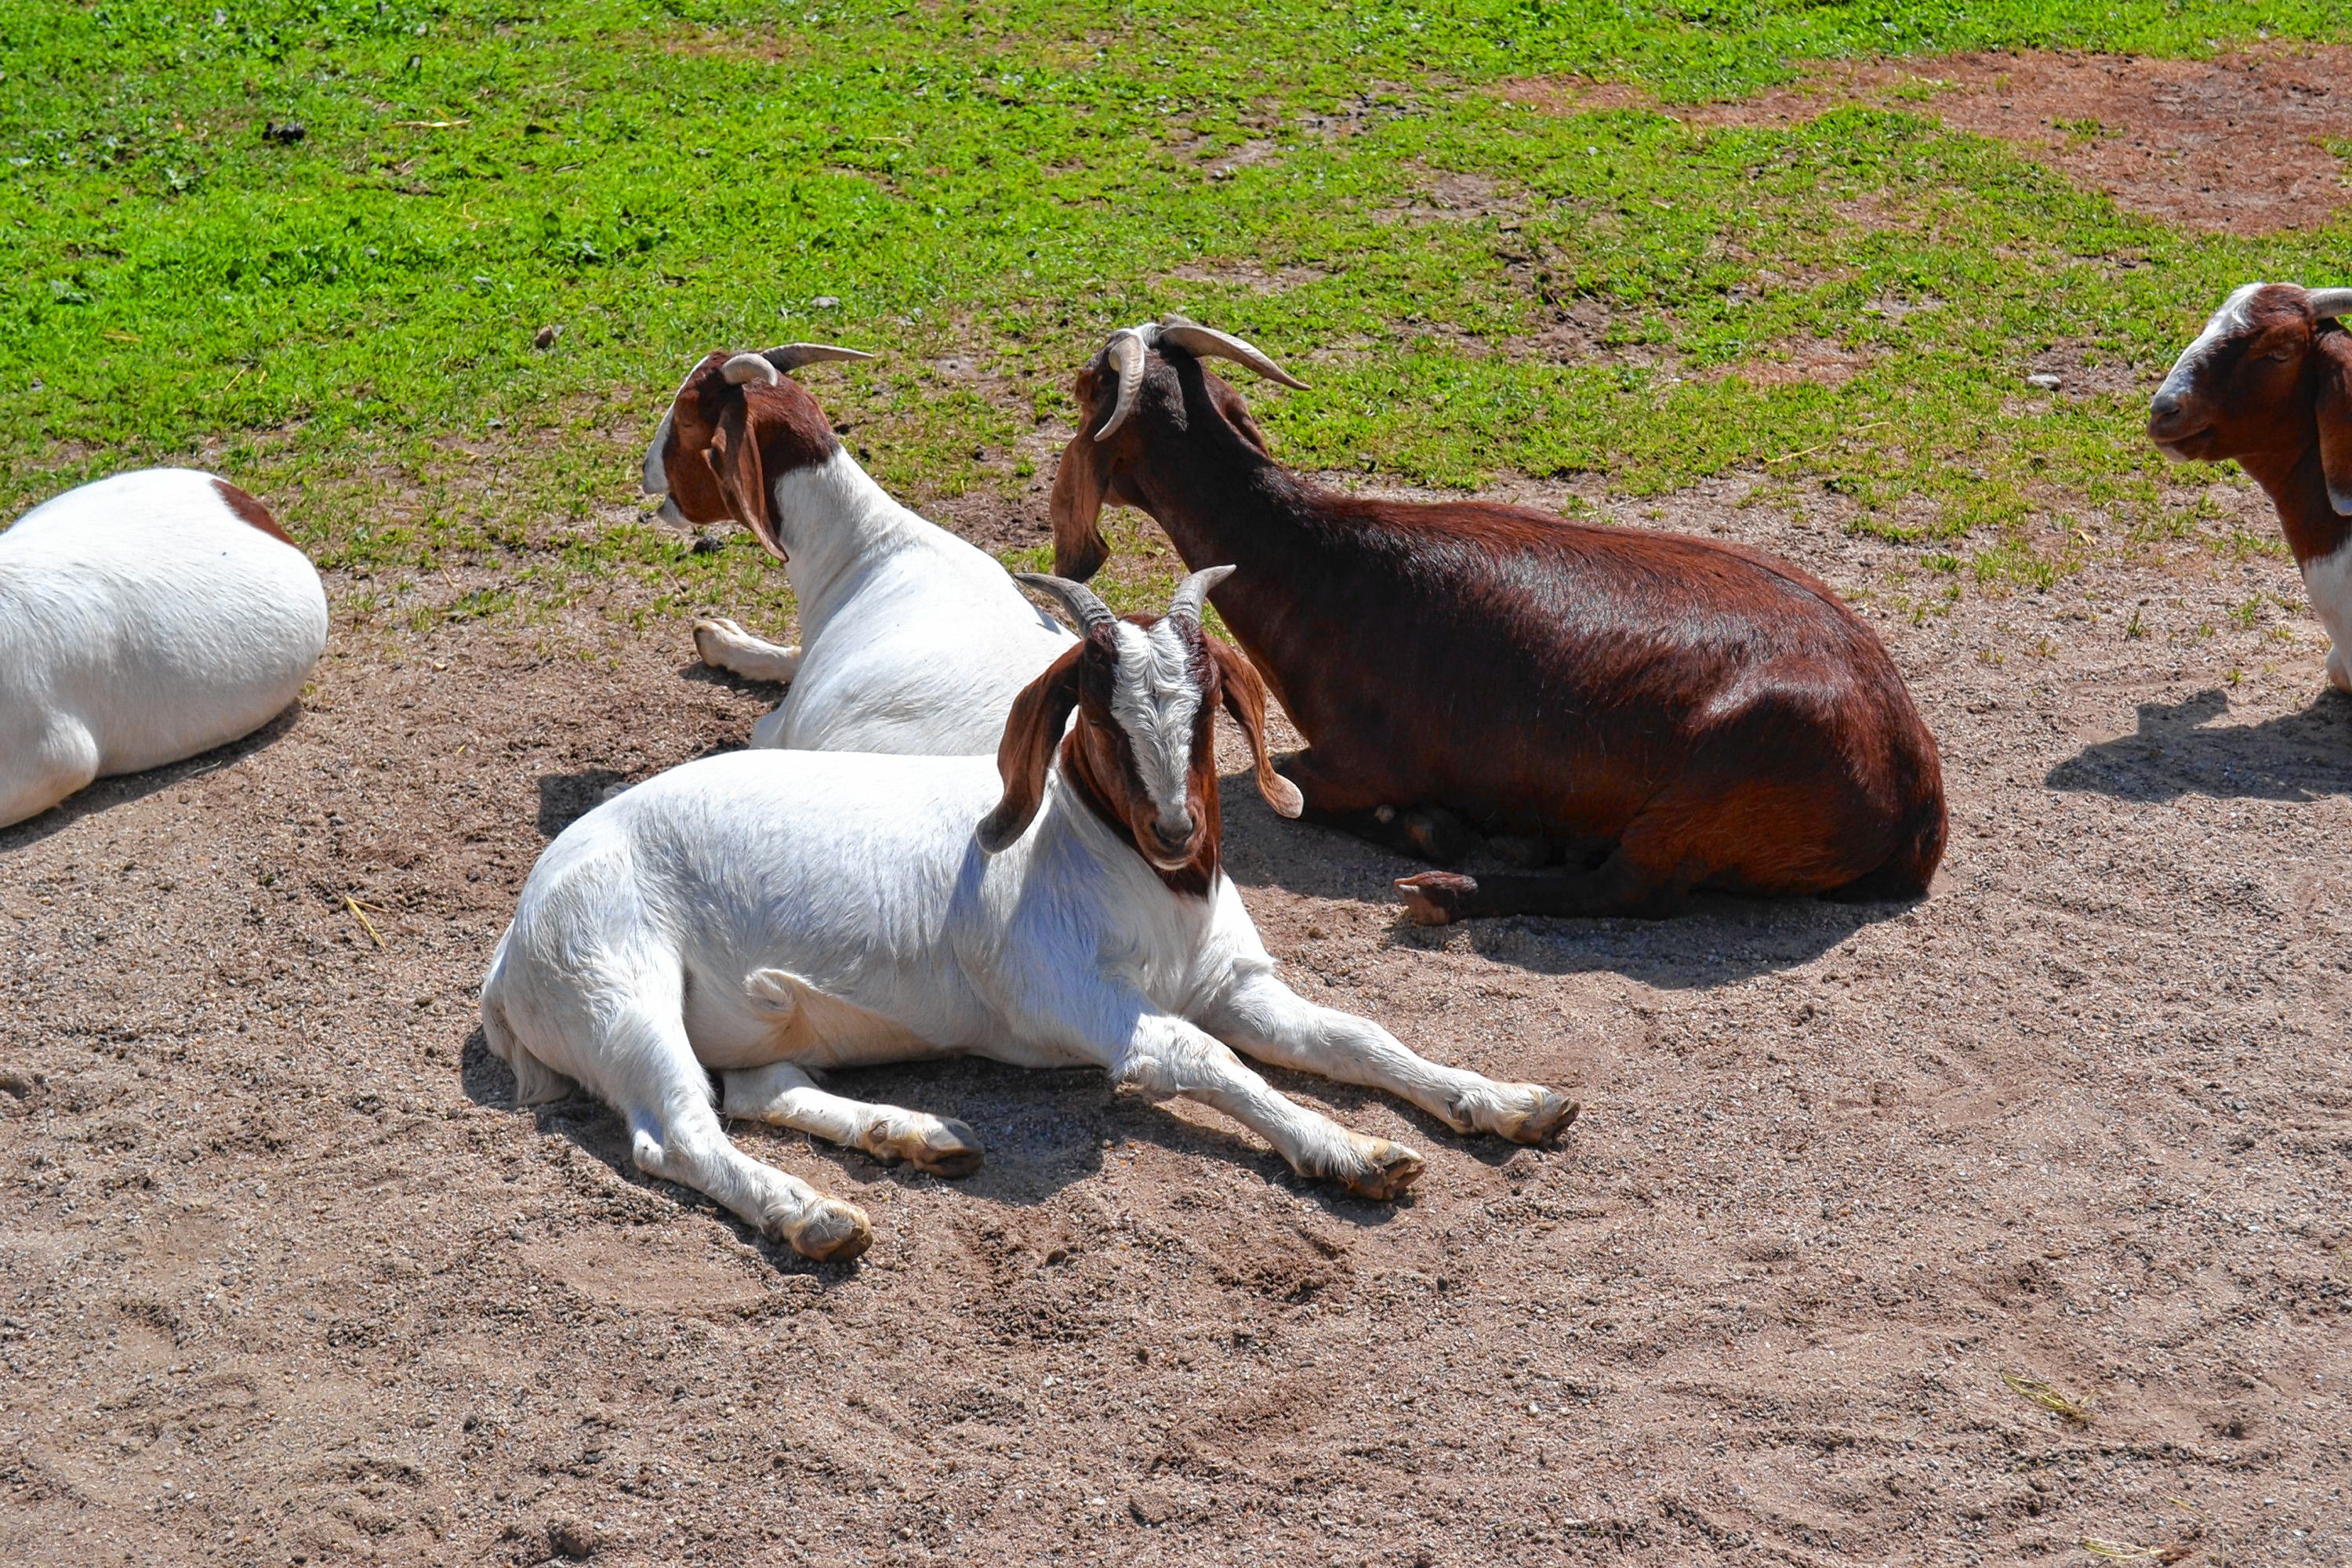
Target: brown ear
1080	485
1030	733
2334	410
740	469
1244	699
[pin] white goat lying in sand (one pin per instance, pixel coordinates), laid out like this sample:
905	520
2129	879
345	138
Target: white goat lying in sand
144	618
911	640
764	912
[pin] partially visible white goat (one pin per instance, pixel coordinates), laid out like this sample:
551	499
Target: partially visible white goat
762	913
143	619
911	640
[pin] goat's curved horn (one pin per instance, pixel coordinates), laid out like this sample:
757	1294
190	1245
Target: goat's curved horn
2336	302
1125	351
745	368
1207	343
1185	607
1091	614
790	357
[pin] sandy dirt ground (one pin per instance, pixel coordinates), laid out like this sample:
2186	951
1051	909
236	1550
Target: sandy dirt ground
1964	1232
284	1277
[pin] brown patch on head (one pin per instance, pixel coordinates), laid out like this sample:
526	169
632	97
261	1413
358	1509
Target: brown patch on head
1097	754
251	512
2236	143
727	443
1090	471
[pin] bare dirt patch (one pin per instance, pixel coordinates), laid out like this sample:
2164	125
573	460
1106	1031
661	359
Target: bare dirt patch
2238	143
284	1276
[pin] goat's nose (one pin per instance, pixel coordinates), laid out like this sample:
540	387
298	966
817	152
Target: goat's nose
1173	832
2164	403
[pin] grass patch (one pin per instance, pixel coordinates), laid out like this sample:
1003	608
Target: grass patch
350	320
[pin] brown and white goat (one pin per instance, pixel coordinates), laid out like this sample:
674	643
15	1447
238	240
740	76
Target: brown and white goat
2269	383
1668	712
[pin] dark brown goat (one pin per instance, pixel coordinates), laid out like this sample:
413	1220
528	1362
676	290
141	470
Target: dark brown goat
2269	383
1672	712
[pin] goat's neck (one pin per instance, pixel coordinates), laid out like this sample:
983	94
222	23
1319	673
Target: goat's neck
834	520
2298	490
1224	504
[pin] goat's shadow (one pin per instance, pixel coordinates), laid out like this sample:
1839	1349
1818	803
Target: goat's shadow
104	794
2175	750
1718	938
1042	1130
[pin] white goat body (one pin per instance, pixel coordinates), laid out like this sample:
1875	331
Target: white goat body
913	641
764	913
143	619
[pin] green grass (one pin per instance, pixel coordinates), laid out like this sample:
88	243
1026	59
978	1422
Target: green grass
347	322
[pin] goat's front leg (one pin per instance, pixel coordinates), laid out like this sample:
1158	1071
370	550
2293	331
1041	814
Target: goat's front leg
723	645
1167	1056
784	1096
1274	1024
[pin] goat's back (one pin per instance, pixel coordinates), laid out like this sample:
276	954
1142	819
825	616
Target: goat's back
1558	678
160	610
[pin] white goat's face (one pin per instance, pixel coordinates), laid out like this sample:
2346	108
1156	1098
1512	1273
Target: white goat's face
1158	706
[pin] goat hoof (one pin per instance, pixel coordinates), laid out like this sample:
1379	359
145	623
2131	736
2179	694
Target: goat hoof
710	638
833	1232
1387	1170
948	1148
1541	1120
1438	898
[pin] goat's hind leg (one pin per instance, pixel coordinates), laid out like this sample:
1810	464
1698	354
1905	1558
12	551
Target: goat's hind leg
783	1096
1626	883
1274	1024
653	1079
723	645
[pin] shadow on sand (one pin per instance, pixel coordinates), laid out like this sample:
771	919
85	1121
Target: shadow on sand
108	792
2177	749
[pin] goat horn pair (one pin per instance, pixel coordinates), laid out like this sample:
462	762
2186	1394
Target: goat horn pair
2335	303
1128	346
769	366
1093	614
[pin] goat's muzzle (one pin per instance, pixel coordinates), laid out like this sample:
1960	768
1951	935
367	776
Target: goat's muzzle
2174	424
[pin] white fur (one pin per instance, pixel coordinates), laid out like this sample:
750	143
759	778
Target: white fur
2328	580
1155	701
141	621
764	912
913	641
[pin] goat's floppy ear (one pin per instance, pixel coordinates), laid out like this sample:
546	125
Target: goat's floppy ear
737	463
1030	733
1244	699
2334	410
1080	485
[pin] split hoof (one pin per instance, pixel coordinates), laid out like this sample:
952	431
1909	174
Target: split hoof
834	1232
1388	1169
1438	898
710	640
1541	1122
947	1149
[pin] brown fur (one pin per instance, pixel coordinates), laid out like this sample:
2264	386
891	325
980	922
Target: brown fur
728	445
2278	397
251	512
1690	714
1098	763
